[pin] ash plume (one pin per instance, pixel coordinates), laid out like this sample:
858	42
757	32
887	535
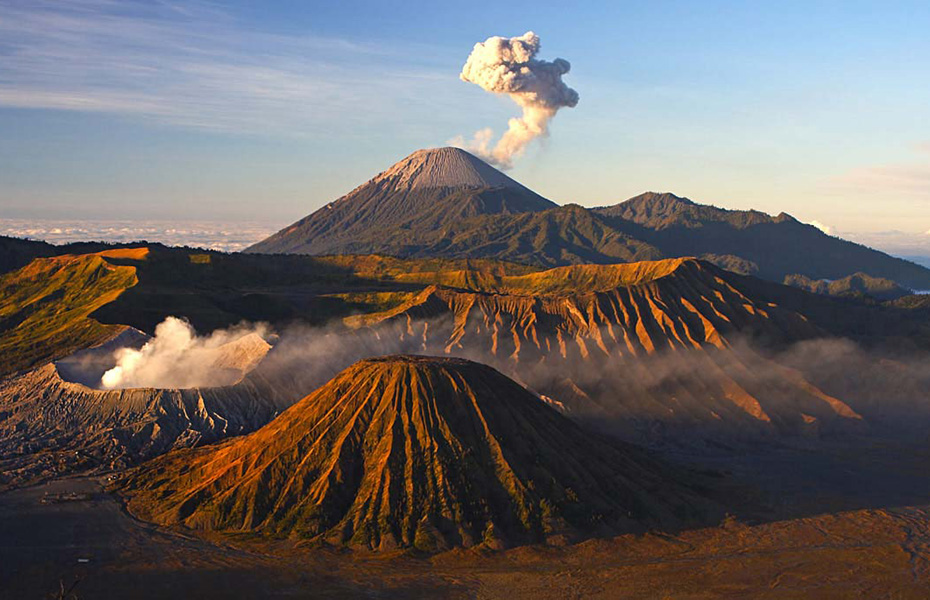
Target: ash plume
176	357
509	66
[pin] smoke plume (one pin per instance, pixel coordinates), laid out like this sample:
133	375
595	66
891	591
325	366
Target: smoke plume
178	358
509	66
628	396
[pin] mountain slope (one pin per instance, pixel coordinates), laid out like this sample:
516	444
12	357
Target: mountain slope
663	210
779	246
447	203
44	306
417	452
857	284
653	351
425	191
559	236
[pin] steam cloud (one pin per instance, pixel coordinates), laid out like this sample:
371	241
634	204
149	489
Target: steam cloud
178	358
888	389
509	66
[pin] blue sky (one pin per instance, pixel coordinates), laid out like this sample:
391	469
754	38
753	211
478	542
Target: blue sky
266	111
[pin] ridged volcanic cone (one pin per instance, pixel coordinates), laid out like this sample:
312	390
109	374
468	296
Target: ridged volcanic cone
421	452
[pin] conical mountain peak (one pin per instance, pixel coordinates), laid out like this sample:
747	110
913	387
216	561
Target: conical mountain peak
422	194
406	451
445	168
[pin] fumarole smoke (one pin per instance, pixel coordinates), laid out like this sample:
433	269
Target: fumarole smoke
176	357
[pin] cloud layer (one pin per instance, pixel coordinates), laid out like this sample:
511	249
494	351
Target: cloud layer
224	236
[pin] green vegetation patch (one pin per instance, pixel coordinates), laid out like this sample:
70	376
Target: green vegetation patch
45	307
199	259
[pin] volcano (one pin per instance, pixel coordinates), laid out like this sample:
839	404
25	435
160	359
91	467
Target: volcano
57	419
430	453
447	203
425	191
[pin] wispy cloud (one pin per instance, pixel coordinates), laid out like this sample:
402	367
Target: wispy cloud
907	178
194	65
899	243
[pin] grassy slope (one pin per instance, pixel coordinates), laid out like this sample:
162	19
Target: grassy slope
44	307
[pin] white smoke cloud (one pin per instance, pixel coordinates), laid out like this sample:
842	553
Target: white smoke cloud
822	227
178	358
509	66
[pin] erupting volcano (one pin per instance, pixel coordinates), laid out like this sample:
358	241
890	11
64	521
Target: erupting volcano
427	190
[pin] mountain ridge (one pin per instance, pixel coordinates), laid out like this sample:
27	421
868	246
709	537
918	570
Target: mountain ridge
448	203
661	209
674	335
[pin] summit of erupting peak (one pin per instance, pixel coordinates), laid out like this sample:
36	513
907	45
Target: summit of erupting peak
422	194
445	167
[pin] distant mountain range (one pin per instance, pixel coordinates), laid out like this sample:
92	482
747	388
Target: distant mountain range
858	284
447	203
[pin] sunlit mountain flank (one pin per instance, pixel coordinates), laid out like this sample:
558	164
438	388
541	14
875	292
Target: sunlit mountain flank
414	300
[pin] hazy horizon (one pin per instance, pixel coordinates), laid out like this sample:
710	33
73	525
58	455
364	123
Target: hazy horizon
233	236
